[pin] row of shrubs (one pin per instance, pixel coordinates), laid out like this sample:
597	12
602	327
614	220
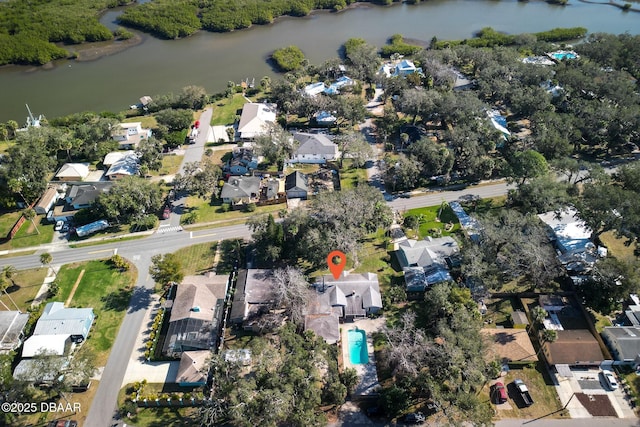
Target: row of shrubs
154	335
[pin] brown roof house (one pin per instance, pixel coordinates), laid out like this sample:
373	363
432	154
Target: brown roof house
510	345
196	314
573	347
192	369
254	296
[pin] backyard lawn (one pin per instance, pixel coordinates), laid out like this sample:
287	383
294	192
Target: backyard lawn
197	259
226	110
433	221
147	122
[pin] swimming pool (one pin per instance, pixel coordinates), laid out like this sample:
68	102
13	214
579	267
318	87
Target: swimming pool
358	352
564	55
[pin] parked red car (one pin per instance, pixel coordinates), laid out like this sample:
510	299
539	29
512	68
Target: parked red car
499	394
197	124
166	213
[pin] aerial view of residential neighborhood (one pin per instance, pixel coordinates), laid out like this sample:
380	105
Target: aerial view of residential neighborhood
298	213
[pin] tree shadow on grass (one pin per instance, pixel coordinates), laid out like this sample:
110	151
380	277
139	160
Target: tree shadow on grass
118	300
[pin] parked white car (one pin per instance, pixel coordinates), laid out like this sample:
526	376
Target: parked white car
610	379
58	226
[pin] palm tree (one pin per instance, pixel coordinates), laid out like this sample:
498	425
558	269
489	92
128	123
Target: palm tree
8	272
30	214
547	336
46	259
16	186
538	314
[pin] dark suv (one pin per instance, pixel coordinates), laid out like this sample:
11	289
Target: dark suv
414	418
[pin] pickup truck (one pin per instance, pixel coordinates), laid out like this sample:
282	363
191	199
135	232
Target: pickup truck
524	392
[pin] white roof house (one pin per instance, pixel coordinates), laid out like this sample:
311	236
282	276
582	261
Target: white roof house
254	119
125	166
73	172
571	232
130	134
314	89
399	69
52	345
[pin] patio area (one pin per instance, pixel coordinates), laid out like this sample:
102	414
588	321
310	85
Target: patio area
367	375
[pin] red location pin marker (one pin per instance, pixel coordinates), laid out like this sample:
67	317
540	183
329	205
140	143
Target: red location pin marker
336	269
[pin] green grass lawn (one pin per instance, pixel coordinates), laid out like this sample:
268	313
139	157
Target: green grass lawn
430	224
170	166
148	122
541	389
197	259
226	110
212	211
499	312
7	219
107	291
618	247
27	284
352	177
28	236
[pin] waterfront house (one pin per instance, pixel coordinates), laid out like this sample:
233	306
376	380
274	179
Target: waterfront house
314	89
255	119
129	135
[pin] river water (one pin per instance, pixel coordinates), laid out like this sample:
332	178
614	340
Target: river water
211	60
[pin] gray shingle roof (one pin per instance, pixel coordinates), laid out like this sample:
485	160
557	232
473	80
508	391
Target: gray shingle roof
296	181
311	143
241	186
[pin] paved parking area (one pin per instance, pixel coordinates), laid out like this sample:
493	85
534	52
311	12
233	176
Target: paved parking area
589	382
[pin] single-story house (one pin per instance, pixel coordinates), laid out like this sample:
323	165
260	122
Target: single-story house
399	69
115	156
128	165
623	341
572	237
196	314
348	298
72	172
469	225
325	118
191	371
273	189
510	345
241	190
83	196
431	256
255	119
573	347
355	295
52	345
48	200
314	89
242	162
56	319
296	185
12	325
314	148
255	294
129	135
341	82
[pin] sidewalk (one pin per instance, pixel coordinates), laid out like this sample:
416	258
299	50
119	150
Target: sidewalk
52	273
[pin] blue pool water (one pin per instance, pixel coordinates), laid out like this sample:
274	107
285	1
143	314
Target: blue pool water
358	347
564	55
